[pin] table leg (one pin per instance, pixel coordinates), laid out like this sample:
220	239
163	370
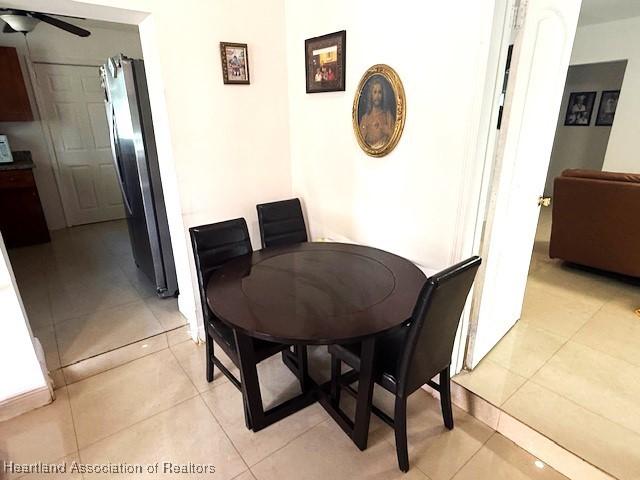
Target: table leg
258	417
360	433
251	396
297	362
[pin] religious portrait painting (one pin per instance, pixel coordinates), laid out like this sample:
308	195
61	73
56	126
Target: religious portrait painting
379	110
235	63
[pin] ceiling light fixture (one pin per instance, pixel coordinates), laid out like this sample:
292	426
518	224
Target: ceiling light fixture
20	23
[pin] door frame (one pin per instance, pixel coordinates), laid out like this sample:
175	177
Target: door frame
46	127
477	178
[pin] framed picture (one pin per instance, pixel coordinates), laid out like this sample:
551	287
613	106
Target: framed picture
607	108
325	62
579	109
235	63
379	110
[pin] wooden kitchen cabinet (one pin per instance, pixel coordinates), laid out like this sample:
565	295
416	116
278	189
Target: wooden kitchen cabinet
22	220
14	101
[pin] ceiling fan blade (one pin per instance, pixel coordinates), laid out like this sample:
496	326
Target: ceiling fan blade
7	28
81	32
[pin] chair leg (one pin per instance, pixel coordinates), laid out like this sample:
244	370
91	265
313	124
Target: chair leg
445	398
209	354
336	371
303	366
400	427
247	416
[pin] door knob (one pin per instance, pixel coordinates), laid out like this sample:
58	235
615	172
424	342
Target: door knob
544	201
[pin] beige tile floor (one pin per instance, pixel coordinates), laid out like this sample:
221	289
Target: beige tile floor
570	368
84	296
157	409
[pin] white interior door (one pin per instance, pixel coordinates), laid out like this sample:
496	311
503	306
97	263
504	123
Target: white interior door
541	57
72	104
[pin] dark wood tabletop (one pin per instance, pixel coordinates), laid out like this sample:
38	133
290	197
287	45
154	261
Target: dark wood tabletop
315	293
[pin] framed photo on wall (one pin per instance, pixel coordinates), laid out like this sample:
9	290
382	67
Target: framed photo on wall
579	109
325	60
235	63
607	108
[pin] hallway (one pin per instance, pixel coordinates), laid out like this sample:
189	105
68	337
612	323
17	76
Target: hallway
84	296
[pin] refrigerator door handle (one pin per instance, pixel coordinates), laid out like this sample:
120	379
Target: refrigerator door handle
114	150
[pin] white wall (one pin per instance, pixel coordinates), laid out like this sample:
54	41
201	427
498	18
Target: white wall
20	369
617	41
50	44
413	201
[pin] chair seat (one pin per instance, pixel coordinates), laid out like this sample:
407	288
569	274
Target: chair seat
388	354
224	337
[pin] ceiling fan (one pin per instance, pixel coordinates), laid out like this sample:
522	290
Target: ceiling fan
25	21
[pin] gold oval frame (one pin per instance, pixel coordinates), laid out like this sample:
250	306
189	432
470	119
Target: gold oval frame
393	78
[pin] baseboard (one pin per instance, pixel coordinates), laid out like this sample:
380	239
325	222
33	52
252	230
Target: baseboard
537	444
25	402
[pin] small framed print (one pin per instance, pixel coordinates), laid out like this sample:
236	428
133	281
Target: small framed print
235	63
579	109
325	62
607	108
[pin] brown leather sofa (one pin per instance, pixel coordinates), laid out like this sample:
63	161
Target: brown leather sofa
596	220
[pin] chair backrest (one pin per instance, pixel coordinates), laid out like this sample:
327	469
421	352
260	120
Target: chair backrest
215	244
281	223
434	323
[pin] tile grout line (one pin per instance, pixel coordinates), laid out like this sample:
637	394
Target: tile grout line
278	449
324	420
470	457
215	419
556	442
550	357
99	310
636	433
73	423
292	439
475	453
137	423
617	359
115	366
122	346
141	420
530	379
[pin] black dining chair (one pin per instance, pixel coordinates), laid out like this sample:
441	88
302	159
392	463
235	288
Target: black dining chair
281	223
213	245
412	355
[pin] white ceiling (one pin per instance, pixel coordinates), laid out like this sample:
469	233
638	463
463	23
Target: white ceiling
601	11
77	9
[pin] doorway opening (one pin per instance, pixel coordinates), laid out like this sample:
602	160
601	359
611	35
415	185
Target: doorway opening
568	368
100	292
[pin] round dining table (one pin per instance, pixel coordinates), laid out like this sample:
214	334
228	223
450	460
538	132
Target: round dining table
308	294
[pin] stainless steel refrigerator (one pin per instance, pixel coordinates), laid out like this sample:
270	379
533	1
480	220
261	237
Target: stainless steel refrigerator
136	163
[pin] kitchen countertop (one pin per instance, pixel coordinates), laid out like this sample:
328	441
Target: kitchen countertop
21	161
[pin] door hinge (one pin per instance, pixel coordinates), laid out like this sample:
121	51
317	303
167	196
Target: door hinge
518	14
